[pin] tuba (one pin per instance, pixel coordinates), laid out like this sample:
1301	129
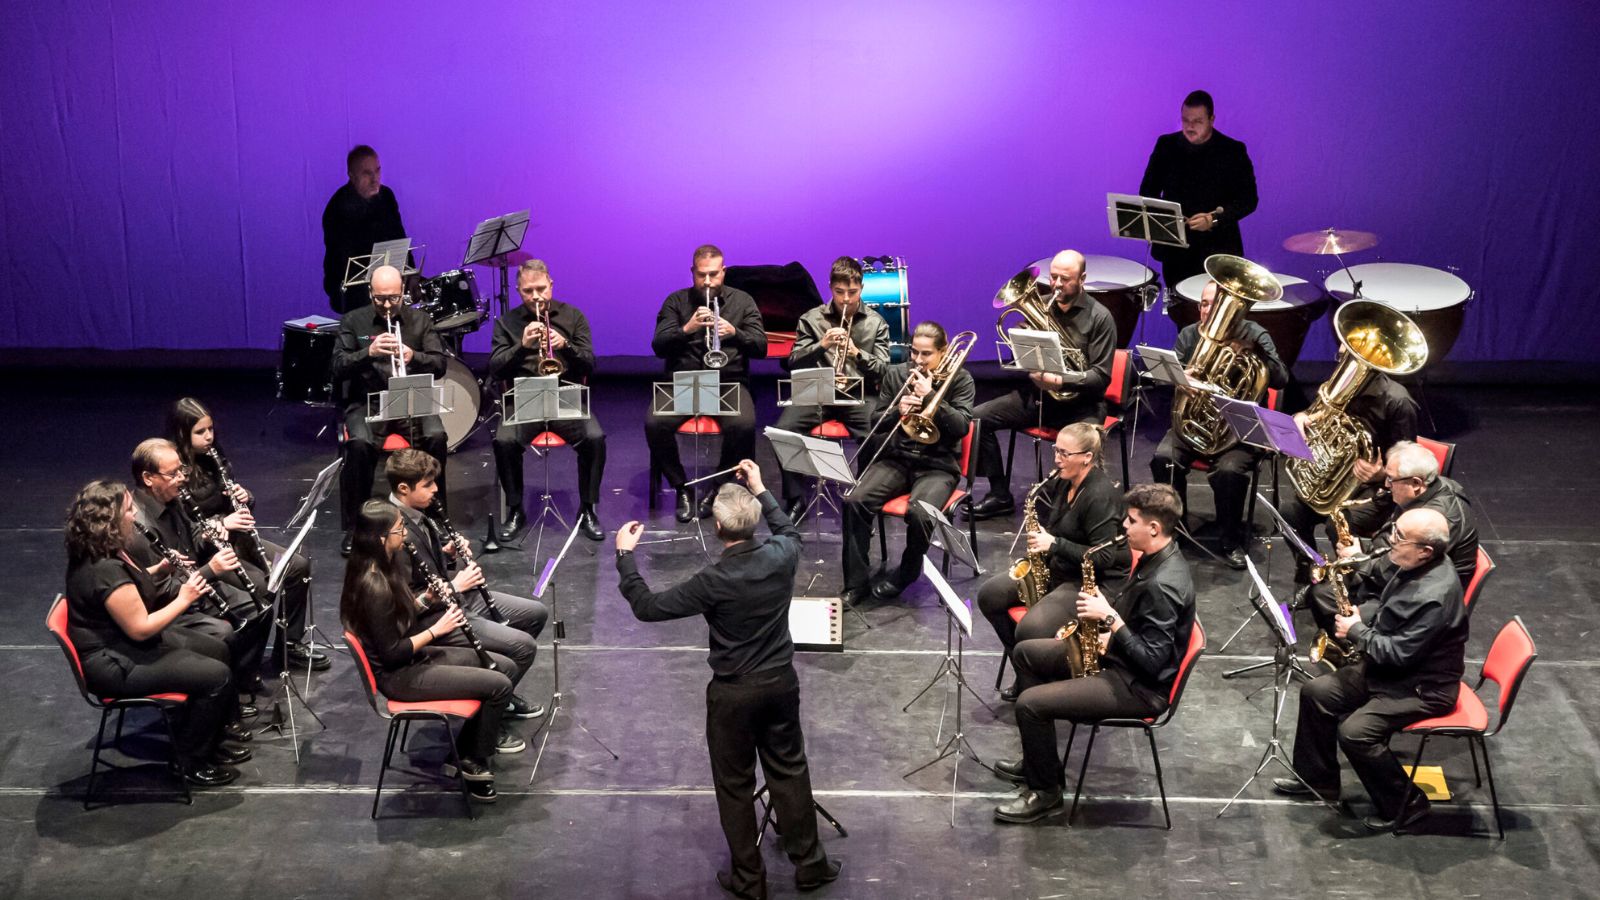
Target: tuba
919	425
1032	571
1371	337
1028	296
1242	376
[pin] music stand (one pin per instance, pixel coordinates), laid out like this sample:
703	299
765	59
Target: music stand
283	709
1164	368
491	244
816	458
693	393
321	487
820	387
1147	219
1309	553
952	540
1283	660
547	583
540	400
1265	428
958	625
406	397
1034	351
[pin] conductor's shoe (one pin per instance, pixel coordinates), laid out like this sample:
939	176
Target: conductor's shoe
813	877
1028	806
1010	770
706	499
589	524
685	505
994	506
1291	787
854	596
725	881
516	520
888	587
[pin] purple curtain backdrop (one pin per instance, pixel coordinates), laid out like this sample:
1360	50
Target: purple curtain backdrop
165	165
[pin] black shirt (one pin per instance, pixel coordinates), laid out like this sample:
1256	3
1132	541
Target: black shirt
868	331
171	522
1201	178
89	623
350	226
1414	636
744	597
1445	496
1093	516
387	638
952	418
358	373
1157	610
1253	335
684	352
508	359
1387	410
1096	332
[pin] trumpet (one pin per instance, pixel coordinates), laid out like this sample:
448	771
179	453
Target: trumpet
549	363
919	425
841	356
715	357
397	362
464	547
447	596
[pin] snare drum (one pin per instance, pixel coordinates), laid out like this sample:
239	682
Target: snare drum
1123	286
1288	320
1435	299
305	367
451	301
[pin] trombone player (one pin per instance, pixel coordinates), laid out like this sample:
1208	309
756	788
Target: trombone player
546	336
854	341
1051	401
929	388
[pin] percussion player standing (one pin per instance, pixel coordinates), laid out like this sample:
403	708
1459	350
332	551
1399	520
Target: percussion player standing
753	700
362	212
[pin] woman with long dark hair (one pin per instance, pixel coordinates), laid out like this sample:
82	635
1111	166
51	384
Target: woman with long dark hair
399	636
192	428
120	629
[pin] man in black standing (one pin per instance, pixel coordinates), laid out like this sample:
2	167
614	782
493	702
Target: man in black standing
1211	176
362	212
753	700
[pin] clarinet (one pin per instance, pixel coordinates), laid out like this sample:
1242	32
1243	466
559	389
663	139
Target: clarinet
218	605
227	485
464	546
213	532
447	594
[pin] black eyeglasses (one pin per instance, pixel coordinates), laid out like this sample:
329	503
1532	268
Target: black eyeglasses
1065	453
1396	539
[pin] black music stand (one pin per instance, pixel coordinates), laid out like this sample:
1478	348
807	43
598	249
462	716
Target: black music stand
821	387
321	487
767	814
694	393
547	583
1309	553
1283	659
491	244
818	458
283	708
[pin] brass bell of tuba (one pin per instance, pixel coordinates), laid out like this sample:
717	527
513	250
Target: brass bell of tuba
1242	376
1028	294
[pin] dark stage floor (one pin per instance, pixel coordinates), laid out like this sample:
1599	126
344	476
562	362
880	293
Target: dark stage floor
645	825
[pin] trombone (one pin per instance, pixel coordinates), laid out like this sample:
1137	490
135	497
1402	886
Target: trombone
919	425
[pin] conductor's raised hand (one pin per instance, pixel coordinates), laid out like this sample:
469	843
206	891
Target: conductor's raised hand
748	472
628	535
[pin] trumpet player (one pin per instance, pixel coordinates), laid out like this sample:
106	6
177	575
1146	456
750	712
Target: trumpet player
1230	470
374	341
901	465
1077	507
854	341
688	331
1084	324
1144	636
545	335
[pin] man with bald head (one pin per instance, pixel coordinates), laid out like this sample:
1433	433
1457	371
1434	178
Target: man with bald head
1092	331
362	212
1412	640
364	359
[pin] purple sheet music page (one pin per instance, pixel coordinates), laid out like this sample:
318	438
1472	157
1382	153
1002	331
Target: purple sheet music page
544	577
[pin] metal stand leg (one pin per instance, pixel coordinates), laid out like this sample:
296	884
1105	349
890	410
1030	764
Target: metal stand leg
958	744
556	696
1274	752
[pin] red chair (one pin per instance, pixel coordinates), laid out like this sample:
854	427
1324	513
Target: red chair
961	497
397	712
1510	657
1120	387
56	622
1480	574
1443	451
1197	646
697	426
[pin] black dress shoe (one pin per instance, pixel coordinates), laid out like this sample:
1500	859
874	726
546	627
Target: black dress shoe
589	524
886	589
516	520
725	881
1010	770
1291	787
482	792
235	731
685	505
344	545
706	499
994	506
816	877
1009	693
248	711
1028	806
301	655
205	774
854	596
796	510
1413	813
1234	557
230	755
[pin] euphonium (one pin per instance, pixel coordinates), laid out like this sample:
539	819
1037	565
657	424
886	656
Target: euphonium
1032	571
1027	296
549	363
919	425
1083	642
1371	337
1242	376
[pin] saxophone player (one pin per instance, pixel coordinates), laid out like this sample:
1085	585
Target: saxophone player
1144	636
1230	469
852	339
1091	329
1077	508
901	465
520	348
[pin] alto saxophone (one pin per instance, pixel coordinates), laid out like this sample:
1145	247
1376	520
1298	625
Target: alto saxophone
1326	648
1083	654
1032	571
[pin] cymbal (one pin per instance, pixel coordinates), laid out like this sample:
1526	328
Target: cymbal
1330	241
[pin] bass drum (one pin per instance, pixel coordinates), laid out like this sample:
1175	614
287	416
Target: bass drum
463	397
884	290
1123	286
1434	299
1288	319
305	366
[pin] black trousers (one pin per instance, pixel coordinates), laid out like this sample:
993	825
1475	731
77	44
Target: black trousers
883	481
1021	409
513	638
758	715
362	447
586	438
1048	692
1339	711
801	419
190	663
1364	522
999	593
295	592
738	440
453	673
1229	477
